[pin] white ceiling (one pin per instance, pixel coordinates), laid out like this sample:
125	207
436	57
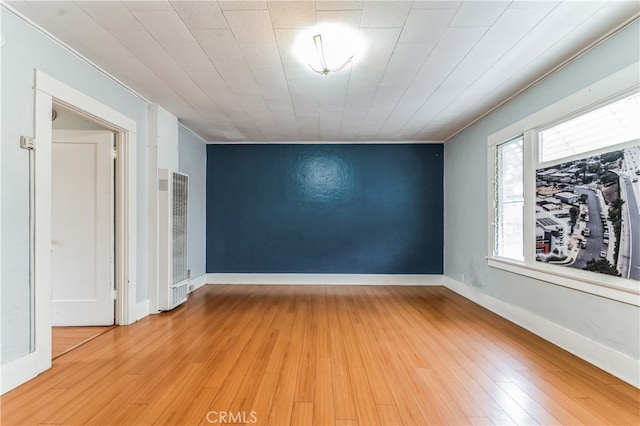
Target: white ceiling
227	71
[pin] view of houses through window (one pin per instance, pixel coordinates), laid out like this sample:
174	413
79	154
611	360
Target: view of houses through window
587	193
587	213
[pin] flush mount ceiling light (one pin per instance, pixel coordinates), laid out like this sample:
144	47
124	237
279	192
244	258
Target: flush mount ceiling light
328	48
317	40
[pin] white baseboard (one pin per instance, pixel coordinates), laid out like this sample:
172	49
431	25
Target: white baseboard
142	309
16	372
325	279
197	282
616	363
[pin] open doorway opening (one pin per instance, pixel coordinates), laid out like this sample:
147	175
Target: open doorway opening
49	92
82	229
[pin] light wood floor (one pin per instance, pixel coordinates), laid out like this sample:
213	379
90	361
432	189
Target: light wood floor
65	339
322	355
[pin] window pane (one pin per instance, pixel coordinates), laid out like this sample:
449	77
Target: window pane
610	125
509	200
510	231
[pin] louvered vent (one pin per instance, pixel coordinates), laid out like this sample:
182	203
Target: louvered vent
173	272
179	255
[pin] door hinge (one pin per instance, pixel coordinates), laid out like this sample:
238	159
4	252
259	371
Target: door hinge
114	153
27	143
115	294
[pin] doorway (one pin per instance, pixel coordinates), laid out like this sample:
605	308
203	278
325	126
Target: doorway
49	92
82	230
82	222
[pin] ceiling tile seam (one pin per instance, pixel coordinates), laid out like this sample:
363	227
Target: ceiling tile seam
149	70
224	14
549	70
195	39
458	64
315	12
284	72
337	10
89	17
250	8
289	89
340	127
195	108
73	51
319	124
575	28
413	3
437	87
318	87
414	77
385	72
568	61
213	101
497	60
346	92
234	123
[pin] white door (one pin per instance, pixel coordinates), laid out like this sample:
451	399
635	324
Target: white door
82	228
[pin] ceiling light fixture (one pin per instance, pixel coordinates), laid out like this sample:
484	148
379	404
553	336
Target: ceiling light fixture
317	41
327	48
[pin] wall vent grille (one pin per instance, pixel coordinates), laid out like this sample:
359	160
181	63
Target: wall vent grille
173	274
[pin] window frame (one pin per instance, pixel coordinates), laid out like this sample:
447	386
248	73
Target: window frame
617	86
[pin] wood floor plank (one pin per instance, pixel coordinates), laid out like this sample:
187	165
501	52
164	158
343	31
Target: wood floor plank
305	386
323	400
388	414
263	400
437	392
119	395
182	393
345	405
64	339
480	421
509	375
344	355
531	406
284	397
31	411
548	388
302	413
84	406
365	404
196	411
346	422
598	402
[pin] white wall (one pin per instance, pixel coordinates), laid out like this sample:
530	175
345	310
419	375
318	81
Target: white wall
607	323
163	154
193	162
166	134
24	50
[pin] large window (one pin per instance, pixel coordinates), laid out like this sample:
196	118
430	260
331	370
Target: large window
587	191
566	192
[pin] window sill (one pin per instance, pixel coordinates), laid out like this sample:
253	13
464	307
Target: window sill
622	290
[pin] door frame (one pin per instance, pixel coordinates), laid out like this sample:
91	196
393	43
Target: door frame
49	91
